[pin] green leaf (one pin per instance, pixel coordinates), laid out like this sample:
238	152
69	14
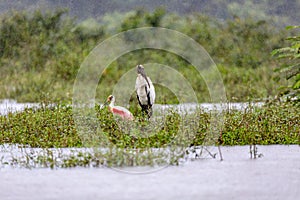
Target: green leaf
286	55
296	85
295	38
291	71
274	52
283	52
291	27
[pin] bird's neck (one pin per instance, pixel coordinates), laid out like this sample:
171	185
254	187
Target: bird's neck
146	78
111	104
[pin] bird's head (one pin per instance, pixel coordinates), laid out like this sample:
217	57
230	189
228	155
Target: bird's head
110	99
140	69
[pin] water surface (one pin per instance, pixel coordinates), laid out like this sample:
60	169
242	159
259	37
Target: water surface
276	175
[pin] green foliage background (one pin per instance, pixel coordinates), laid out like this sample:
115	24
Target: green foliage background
40	53
290	68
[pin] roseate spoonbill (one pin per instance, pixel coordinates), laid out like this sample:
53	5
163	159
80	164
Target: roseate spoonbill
118	110
145	91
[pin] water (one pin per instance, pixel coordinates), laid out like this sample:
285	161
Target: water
9	105
276	175
189	107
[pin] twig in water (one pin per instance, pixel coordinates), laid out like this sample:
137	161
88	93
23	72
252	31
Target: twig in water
212	155
253	152
221	157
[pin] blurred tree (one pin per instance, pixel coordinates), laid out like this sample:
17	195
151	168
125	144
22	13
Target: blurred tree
290	69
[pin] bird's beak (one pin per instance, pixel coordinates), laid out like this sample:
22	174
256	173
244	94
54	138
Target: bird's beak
105	104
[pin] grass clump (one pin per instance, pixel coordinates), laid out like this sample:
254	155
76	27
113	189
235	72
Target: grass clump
274	123
54	126
45	127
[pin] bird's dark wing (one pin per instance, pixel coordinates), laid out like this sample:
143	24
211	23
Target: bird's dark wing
149	100
145	77
137	96
148	96
146	90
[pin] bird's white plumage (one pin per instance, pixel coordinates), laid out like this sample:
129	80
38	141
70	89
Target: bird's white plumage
143	90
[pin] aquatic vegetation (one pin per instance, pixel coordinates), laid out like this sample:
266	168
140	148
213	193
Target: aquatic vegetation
54	126
275	123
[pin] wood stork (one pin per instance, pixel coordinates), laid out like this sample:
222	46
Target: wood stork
145	91
118	110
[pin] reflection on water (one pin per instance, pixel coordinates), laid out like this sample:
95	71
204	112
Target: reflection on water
140	160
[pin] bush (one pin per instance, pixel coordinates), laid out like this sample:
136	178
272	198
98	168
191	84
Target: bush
290	69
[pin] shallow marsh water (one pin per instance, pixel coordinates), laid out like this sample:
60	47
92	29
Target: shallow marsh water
276	175
9	105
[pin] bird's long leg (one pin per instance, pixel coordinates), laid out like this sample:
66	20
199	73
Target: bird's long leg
149	107
150	112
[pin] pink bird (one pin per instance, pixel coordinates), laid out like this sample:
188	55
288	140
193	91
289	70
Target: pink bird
118	110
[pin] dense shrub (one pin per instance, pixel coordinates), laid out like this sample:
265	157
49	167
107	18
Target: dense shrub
40	53
290	69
